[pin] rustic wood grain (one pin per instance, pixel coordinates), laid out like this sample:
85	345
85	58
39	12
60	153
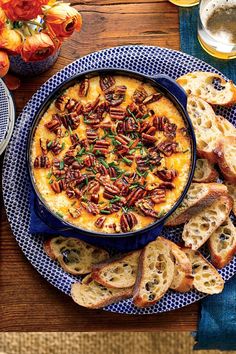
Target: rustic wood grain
28	301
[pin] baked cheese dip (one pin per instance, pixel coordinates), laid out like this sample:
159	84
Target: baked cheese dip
111	154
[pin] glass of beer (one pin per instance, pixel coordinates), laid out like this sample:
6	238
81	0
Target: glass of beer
217	28
185	3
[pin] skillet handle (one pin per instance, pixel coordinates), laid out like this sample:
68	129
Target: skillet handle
174	88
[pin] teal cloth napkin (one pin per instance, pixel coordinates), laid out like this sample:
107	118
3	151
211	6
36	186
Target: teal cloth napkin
217	322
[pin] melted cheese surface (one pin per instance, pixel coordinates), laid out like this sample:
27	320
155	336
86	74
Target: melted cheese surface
60	203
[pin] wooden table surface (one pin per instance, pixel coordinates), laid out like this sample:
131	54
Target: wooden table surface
28	301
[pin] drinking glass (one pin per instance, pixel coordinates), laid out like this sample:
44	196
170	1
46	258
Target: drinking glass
185	3
217	28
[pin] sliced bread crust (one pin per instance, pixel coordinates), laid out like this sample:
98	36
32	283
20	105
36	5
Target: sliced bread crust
155	274
232	192
226	157
200	227
222	244
199	196
75	256
226	128
93	295
183	279
206	278
205	172
201	84
118	272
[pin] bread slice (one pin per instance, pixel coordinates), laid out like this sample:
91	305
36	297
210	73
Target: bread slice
226	157
226	128
183	279
222	244
75	256
199	196
155	274
200	227
119	272
202	84
205	172
232	192
205	126
206	278
93	295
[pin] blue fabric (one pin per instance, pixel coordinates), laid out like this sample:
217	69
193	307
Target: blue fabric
43	222
217	322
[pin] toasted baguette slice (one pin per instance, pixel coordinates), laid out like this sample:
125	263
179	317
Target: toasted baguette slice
232	193
93	295
119	272
226	157
205	126
226	128
200	227
201	84
183	279
206	278
155	274
204	172
75	256
199	196
222	244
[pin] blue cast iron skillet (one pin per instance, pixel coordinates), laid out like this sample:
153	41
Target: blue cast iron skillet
124	241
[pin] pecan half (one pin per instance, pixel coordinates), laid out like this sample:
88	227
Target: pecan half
42	162
163	124
90	106
128	221
54	124
61	102
167	147
101	109
134	196
130	125
166	175
101	147
102	170
147	128
74	138
55	147
90	207
84	87
70	120
105	125
116	95
142	163
93	120
90	160
93	187
92	135
117	113
154	156
148	139
94	198
106	82
70	104
110	191
158	195
152	98
73	193
100	222
146	207
59	186
166	185
112	172
69	157
134	109
139	95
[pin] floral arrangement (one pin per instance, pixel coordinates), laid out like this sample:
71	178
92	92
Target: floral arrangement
34	29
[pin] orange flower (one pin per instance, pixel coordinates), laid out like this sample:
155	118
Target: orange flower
20	10
62	20
4	63
10	40
2	18
37	47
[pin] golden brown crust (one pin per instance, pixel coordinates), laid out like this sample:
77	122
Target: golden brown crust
226	162
225	238
215	190
48	249
100	271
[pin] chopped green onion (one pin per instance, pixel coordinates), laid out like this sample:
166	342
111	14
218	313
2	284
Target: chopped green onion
61	165
70	130
129	162
49	175
51	181
49	143
132	151
145	116
115	199
91	148
63	145
84	199
80	153
86	181
104	163
102	211
66	133
59	214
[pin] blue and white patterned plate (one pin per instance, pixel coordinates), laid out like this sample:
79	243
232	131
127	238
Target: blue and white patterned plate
7	116
144	59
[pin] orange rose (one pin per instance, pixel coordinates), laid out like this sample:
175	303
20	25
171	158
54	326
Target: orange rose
10	40
2	18
21	10
62	20
4	63
37	47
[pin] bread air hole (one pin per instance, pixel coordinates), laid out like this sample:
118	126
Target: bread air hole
204	227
